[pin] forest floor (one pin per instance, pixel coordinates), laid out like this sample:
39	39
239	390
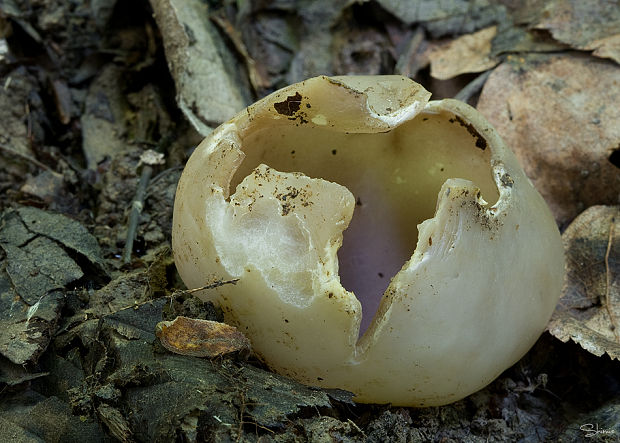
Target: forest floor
102	100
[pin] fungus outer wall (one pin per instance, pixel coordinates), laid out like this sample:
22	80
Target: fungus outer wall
267	197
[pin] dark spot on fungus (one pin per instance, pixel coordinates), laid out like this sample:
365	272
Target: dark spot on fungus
330	295
334	152
308	105
285	321
480	140
506	180
285	198
289	106
430	241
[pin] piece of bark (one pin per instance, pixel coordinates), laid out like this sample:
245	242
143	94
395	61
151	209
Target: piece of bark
210	87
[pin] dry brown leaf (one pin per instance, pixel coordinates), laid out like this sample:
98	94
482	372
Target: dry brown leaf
559	114
466	54
589	310
608	47
200	338
587	25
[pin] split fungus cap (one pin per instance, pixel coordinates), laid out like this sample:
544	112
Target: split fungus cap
340	187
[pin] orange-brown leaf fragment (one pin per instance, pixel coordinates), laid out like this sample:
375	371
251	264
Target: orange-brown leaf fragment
200	338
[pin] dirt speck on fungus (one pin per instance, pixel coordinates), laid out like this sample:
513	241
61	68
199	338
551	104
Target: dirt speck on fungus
480	140
292	195
506	180
289	106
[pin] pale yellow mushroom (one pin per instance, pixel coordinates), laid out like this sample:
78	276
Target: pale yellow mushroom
462	288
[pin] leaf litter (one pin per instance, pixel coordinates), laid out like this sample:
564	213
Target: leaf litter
589	310
88	91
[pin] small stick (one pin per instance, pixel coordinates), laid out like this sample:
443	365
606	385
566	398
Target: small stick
136	209
25	157
216	284
256	79
612	317
166	172
149	159
213	285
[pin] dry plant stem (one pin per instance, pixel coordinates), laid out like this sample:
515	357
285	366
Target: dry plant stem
136	209
213	285
34	161
258	83
357	428
612	317
242	409
165	172
473	87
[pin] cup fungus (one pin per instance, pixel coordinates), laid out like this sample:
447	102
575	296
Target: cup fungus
357	162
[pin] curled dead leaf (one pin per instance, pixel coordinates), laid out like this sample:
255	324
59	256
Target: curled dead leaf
201	338
589	310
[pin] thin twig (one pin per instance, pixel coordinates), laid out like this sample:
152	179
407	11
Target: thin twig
357	428
473	87
241	412
136	209
25	157
213	285
257	80
159	176
166	172
610	312
243	422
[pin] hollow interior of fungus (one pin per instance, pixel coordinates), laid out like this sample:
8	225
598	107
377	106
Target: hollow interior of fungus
395	178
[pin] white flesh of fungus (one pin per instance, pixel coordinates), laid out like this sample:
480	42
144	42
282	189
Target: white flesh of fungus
268	197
